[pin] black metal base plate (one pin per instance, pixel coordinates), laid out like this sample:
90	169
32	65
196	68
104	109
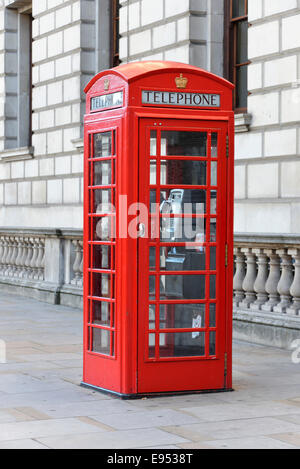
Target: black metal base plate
153	395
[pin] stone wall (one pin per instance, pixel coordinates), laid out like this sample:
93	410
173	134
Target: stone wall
267	168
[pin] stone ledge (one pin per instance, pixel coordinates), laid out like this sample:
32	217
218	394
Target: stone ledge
274	330
242	122
17	154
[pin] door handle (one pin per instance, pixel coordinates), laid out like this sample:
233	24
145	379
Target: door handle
142	230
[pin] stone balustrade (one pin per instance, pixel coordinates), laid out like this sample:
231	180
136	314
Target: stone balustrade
46	264
267	274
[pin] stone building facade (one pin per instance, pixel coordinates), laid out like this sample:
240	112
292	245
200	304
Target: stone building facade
49	50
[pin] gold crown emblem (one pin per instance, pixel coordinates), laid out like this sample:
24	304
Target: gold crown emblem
181	82
106	84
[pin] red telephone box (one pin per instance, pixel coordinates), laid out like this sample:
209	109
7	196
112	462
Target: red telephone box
158	230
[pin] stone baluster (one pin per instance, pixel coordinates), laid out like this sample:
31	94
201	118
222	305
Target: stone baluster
81	264
249	280
261	279
77	262
239	277
23	271
285	281
19	256
5	255
10	247
14	255
272	282
28	258
33	263
1	254
294	309
40	259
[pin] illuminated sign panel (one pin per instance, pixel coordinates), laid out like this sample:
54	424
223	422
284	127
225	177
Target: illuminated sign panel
168	98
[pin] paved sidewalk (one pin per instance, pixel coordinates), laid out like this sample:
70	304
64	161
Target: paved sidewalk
43	406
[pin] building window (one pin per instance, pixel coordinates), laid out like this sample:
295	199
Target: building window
115	21
236	53
18	76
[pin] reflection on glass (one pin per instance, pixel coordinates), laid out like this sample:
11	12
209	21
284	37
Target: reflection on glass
102	144
212	287
213	202
152	287
214	173
186	287
182	344
152	172
242	87
183	143
101	313
213	258
101	341
183	316
152	258
100	285
212	315
102	173
238	8
153	207
102	201
213	230
103	228
212	343
101	257
151	346
214	145
183	172
182	258
153	143
151	316
242	42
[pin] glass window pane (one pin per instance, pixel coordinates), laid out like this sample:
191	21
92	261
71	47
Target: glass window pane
101	257
187	172
102	173
152	287
212	315
153	172
242	42
182	316
213	258
182	344
238	8
213	202
212	287
182	258
214	173
102	144
101	285
214	145
213	230
101	313
212	343
151	346
241	87
183	143
151	316
101	341
102	201
183	201
152	258
103	228
153	143
186	287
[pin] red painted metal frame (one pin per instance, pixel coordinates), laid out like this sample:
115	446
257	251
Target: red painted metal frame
126	372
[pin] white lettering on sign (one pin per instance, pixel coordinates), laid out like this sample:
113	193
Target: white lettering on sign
107	101
168	98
